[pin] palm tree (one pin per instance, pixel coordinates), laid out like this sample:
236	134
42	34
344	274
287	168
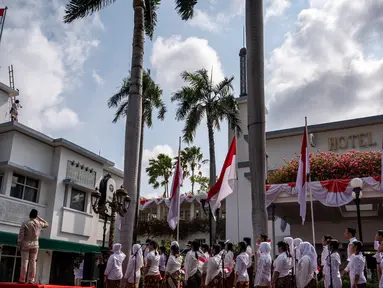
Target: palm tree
256	113
203	183
160	168
191	157
201	97
145	21
151	99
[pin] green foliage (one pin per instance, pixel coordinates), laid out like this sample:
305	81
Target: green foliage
161	167
203	183
160	228
151	99
201	97
192	159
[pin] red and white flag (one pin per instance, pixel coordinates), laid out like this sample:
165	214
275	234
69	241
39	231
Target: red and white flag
3	13
174	209
226	181
303	171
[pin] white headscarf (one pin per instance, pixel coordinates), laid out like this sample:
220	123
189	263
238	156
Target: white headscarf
263	273
174	243
265	249
306	249
296	243
136	261
137	255
290	242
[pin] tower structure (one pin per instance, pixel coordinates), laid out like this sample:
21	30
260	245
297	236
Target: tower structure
243	72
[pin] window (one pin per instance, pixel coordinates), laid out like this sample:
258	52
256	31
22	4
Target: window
10	262
77	200
24	188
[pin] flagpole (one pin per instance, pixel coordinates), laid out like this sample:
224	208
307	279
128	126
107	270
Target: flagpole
236	185
179	195
3	21
308	180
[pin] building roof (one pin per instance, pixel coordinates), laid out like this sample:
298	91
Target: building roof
8	90
59	142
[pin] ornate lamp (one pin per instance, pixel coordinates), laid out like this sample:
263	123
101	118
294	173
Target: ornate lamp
205	206
120	195
95	199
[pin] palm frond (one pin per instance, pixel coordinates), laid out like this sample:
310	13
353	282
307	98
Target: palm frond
116	99
150	16
121	111
77	9
193	120
185	8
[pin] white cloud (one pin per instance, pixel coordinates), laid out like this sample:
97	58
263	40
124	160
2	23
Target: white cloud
171	56
327	66
207	22
97	78
48	58
153	153
276	8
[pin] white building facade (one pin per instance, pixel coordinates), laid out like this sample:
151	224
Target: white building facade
364	134
56	177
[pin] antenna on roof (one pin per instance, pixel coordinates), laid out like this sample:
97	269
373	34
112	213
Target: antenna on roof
14	103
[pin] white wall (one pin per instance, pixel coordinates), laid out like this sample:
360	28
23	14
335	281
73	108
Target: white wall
5	146
4	107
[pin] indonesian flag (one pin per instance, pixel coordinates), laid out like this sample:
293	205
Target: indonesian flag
173	216
303	171
2	16
225	184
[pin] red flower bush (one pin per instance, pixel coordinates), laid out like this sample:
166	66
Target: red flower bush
329	165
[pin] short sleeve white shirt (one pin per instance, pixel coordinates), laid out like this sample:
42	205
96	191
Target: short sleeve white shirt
282	265
154	263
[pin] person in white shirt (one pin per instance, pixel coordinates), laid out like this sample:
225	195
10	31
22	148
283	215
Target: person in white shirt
229	264
173	268
378	255
78	273
113	271
282	267
133	272
349	234
163	260
307	266
146	250
214	269
205	250
356	266
332	264
290	243
152	276
242	264
324	255
296	243
263	273
249	251
193	266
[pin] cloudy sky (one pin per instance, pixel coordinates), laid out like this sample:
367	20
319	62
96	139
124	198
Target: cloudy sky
325	55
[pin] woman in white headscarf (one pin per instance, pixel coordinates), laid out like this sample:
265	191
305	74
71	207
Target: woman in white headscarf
307	266
173	267
263	273
296	243
113	271
214	269
133	271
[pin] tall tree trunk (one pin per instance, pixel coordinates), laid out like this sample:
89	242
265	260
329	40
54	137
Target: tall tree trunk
133	128
139	183
256	113
192	180
213	224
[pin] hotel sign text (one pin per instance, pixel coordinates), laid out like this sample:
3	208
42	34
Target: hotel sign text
351	142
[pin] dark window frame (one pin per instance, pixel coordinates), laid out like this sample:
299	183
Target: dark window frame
25	185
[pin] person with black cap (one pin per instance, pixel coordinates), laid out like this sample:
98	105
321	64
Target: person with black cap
28	243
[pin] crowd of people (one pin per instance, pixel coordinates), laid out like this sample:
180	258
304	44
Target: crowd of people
296	265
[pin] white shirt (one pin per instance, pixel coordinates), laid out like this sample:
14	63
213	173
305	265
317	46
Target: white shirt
324	256
282	265
79	271
333	269
229	262
263	274
114	266
357	264
214	267
193	264
249	252
243	262
304	272
174	264
353	239
162	262
154	263
378	255
134	264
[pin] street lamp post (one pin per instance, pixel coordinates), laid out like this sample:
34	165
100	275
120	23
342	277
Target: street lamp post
357	185
119	203
207	210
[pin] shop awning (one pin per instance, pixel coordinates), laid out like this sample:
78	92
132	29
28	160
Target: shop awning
10	239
